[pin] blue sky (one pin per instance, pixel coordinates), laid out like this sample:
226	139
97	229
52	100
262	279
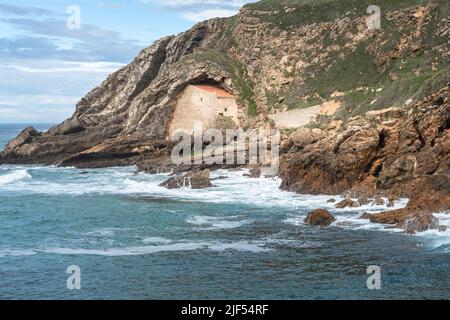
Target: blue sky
46	67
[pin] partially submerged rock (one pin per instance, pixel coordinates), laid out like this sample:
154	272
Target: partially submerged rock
192	180
347	203
411	223
378	201
254	173
365	216
319	217
419	224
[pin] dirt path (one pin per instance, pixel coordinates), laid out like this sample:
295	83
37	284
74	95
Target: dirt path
295	118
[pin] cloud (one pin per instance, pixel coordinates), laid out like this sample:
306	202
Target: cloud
37	100
47	89
68	67
199	10
202	3
207	14
23	11
51	37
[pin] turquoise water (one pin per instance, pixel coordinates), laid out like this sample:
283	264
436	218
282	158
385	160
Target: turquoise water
243	239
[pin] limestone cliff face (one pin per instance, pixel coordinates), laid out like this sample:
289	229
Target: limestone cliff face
275	56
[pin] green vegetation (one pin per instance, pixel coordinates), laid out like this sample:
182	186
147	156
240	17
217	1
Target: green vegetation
313	11
235	69
375	73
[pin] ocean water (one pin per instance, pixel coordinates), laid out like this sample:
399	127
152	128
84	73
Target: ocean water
242	239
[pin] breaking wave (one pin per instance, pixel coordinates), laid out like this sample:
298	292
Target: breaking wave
14	176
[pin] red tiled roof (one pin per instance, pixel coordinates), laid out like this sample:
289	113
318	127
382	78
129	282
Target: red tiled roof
218	91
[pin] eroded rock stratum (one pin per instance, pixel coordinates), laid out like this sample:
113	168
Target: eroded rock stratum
384	129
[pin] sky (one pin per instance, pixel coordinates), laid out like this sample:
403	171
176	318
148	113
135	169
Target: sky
53	52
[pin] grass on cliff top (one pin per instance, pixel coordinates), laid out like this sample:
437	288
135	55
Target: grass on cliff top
316	11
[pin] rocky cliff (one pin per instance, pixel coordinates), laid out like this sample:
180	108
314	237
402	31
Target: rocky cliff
388	132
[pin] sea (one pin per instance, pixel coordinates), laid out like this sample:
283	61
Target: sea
113	233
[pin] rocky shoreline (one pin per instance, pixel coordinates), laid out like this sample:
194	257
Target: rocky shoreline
393	146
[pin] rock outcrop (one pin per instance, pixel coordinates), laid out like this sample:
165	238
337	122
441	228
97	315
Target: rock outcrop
297	58
389	135
407	157
192	180
347	203
319	217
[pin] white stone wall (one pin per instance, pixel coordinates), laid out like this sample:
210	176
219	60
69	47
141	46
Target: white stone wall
197	105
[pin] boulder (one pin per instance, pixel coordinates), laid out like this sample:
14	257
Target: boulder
192	180
366	216
254	173
419	223
304	136
347	203
25	137
319	217
378	201
331	201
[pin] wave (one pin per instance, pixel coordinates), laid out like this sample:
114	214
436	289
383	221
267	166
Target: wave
250	246
14	176
217	223
16	252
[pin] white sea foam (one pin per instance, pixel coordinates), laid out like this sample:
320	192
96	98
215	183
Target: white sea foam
235	189
157	240
14	176
217	223
16	252
435	238
250	246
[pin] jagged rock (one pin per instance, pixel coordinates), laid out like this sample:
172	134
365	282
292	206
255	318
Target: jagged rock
254	173
303	137
24	138
391	202
363	201
319	217
378	201
401	152
419	224
347	203
192	180
366	216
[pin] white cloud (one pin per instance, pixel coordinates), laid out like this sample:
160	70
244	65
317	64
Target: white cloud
64	67
37	100
208	14
199	10
203	3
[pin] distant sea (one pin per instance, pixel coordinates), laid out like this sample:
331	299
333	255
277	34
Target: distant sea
243	239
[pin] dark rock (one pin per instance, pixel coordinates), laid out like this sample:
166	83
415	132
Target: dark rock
254	173
347	203
366	216
419	224
319	217
391	203
331	201
192	180
363	201
25	137
378	201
